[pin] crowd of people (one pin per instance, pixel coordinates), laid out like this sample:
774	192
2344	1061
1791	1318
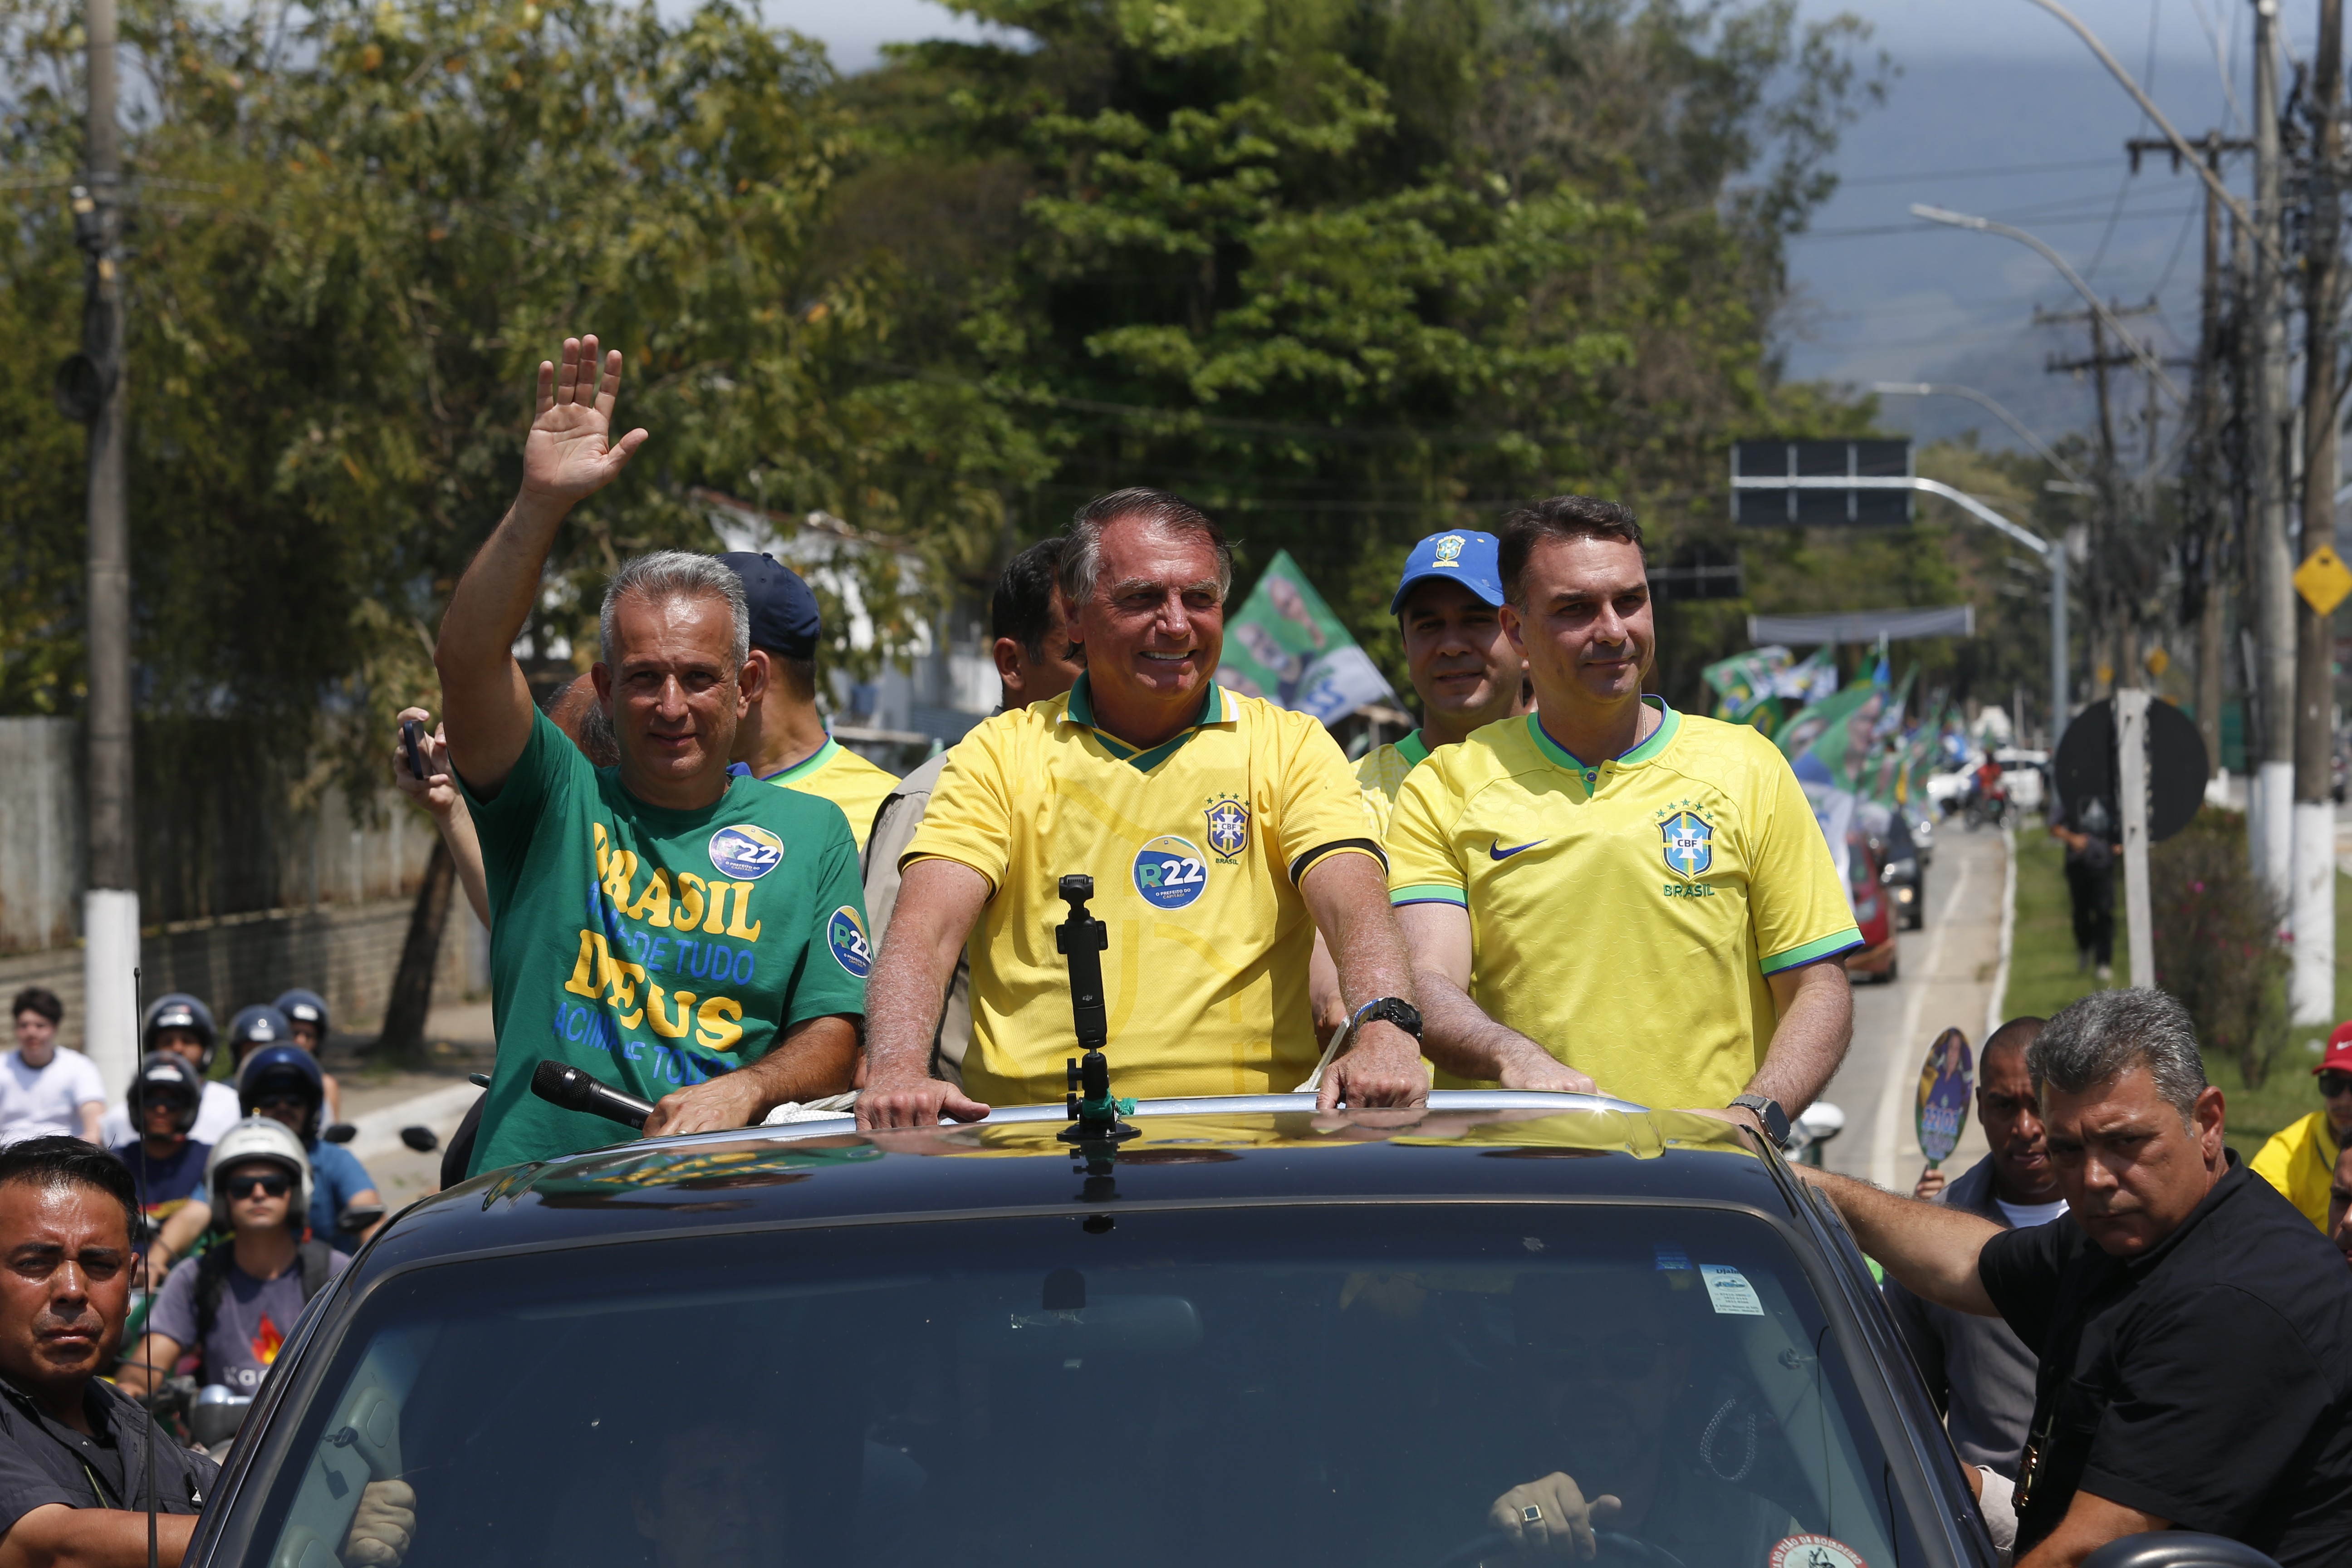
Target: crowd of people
696	895
192	1144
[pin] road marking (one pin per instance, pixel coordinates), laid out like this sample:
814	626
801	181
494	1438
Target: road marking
1901	1085
1993	1019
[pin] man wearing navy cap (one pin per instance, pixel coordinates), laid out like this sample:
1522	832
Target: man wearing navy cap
783	741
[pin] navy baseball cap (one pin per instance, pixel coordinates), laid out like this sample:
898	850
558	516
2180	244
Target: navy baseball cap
1461	555
784	609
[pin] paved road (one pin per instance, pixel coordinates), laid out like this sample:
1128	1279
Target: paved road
1947	977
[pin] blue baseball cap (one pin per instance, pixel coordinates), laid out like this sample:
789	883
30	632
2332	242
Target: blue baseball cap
784	609
1461	555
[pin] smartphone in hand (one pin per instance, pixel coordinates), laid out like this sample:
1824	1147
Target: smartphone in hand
411	740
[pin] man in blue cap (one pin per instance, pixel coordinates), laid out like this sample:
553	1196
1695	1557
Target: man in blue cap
783	741
1448	605
1449	609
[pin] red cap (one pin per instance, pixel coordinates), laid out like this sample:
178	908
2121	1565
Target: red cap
2339	1051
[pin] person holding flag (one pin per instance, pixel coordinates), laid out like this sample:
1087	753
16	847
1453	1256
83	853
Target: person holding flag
1701	970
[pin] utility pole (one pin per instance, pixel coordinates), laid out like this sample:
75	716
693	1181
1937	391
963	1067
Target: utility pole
2270	818
2311	988
2108	634
111	902
2206	508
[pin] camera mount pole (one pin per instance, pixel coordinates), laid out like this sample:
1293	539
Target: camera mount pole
1081	939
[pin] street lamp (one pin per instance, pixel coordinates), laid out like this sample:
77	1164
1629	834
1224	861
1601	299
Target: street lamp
1945	389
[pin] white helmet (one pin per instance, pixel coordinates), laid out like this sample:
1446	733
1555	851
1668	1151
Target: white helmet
261	1137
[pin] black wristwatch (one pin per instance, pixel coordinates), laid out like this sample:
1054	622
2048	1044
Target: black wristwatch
1394	1010
1767	1111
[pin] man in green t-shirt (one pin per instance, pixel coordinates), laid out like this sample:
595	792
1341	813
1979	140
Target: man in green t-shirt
691	939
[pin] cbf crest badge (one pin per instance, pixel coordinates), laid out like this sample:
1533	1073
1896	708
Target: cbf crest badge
1689	844
1449	549
1229	827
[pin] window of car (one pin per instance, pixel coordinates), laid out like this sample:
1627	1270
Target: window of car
1362	1385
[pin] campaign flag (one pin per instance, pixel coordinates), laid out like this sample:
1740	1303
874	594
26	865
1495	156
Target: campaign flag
1286	646
1745	682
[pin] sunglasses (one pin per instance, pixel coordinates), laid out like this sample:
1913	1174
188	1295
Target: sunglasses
2332	1084
1625	1358
282	1103
241	1187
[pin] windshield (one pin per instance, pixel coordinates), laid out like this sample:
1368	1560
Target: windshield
1382	1386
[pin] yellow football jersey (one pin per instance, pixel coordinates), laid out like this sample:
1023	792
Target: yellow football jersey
840	775
1625	914
1196	847
1381	773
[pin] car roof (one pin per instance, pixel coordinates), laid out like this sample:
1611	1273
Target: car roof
1245	1150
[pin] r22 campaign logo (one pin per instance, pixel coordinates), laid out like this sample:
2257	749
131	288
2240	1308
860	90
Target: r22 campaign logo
846	934
1170	872
745	851
1689	844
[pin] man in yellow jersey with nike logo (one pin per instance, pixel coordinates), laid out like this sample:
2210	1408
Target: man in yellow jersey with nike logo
1221	831
1608	892
783	741
1448	604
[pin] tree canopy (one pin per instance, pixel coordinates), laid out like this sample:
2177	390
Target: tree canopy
1345	272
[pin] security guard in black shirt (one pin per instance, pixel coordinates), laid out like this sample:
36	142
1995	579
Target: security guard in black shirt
75	1485
2195	1332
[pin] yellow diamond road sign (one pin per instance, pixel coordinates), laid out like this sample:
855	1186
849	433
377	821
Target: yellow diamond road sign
2323	580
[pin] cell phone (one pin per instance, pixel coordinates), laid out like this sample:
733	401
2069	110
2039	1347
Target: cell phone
411	739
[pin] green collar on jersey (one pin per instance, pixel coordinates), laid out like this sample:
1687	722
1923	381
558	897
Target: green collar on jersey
805	766
1214	710
1412	750
1660	738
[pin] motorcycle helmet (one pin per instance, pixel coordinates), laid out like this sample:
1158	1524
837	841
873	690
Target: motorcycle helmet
164	1076
257	1027
275	1071
179	1011
260	1138
305	1007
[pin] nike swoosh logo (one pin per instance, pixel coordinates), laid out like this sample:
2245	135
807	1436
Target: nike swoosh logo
1496	850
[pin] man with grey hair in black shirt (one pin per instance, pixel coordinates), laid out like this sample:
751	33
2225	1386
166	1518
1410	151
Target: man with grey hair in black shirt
2194	1331
75	1478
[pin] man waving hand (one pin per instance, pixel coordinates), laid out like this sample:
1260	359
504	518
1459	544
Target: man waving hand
694	939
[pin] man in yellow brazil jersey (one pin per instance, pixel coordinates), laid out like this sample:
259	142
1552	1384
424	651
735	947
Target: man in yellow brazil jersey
1608	892
1221	831
783	741
696	939
1448	604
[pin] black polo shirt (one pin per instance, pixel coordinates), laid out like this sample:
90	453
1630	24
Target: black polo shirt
43	1460
2208	1381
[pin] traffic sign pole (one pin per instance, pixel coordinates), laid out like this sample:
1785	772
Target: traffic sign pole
2131	787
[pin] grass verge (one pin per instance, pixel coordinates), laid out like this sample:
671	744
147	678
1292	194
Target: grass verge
2042	979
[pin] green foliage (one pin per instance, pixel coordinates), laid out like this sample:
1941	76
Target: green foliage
356	243
2216	944
1348	275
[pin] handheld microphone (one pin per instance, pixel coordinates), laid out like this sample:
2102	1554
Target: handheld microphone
574	1090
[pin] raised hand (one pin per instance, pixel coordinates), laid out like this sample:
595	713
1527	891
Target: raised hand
570	454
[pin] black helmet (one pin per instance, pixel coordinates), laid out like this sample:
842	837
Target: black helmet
180	1011
274	1070
254	1026
164	1076
305	1007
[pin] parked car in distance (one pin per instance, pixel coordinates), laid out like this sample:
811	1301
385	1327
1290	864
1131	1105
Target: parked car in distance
1874	912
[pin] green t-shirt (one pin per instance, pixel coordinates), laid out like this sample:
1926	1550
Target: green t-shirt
652	948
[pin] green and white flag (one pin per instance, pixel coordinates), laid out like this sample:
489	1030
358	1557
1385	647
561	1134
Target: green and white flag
1285	645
